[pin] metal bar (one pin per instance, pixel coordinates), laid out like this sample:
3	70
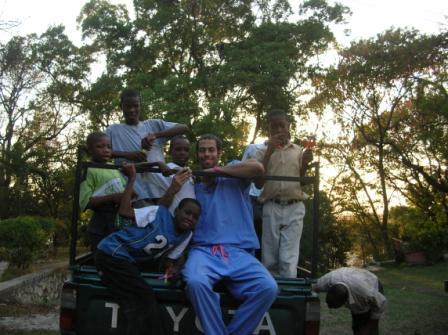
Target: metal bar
81	167
315	255
75	207
144	167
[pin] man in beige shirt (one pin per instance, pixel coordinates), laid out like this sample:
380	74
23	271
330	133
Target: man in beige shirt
283	209
360	291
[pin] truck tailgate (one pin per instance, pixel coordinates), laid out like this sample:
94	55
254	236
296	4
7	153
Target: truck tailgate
96	312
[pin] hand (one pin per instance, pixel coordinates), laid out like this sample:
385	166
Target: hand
307	157
148	141
136	156
116	198
128	170
179	179
171	270
278	140
164	169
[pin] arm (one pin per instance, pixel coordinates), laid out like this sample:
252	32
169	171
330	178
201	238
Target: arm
170	132
99	201
134	156
248	153
125	208
87	200
273	142
323	283
307	158
247	169
378	303
179	179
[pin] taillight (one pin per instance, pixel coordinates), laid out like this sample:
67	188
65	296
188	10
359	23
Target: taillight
68	308
312	317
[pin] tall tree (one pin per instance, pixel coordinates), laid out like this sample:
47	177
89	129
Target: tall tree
209	64
368	90
40	86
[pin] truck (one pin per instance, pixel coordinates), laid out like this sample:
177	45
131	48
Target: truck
87	307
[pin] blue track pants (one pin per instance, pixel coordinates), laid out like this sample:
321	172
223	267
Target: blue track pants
243	275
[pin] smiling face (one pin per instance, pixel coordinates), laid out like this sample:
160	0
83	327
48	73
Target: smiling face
180	151
101	150
131	109
208	153
186	216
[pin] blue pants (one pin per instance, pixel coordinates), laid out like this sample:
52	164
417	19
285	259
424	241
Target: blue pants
243	275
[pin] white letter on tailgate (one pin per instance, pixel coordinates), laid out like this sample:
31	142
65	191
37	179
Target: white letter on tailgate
269	326
115	308
176	319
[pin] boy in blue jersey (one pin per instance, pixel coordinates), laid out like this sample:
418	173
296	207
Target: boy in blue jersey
223	245
118	254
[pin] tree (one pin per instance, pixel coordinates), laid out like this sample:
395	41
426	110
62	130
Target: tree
368	90
335	238
207	64
41	81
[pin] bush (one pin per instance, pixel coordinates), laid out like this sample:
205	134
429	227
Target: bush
25	238
422	232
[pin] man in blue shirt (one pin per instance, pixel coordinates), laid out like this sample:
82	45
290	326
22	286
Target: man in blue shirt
223	245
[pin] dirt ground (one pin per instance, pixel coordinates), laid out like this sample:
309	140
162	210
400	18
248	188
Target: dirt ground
29	317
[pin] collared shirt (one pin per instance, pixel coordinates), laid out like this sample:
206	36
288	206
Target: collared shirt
250	153
362	286
285	161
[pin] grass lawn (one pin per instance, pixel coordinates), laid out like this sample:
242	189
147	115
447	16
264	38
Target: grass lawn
417	303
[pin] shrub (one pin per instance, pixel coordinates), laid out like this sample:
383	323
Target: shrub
25	238
422	232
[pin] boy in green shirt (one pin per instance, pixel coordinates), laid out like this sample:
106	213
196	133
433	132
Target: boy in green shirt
101	191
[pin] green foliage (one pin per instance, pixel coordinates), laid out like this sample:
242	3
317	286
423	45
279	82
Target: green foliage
335	237
202	62
25	238
422	232
40	87
389	98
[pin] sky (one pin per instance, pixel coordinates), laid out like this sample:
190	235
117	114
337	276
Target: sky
369	16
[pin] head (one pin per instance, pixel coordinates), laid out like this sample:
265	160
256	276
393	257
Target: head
337	295
99	147
208	150
186	215
130	102
180	150
278	123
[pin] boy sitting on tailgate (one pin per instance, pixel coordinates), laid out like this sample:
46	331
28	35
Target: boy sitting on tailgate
118	254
